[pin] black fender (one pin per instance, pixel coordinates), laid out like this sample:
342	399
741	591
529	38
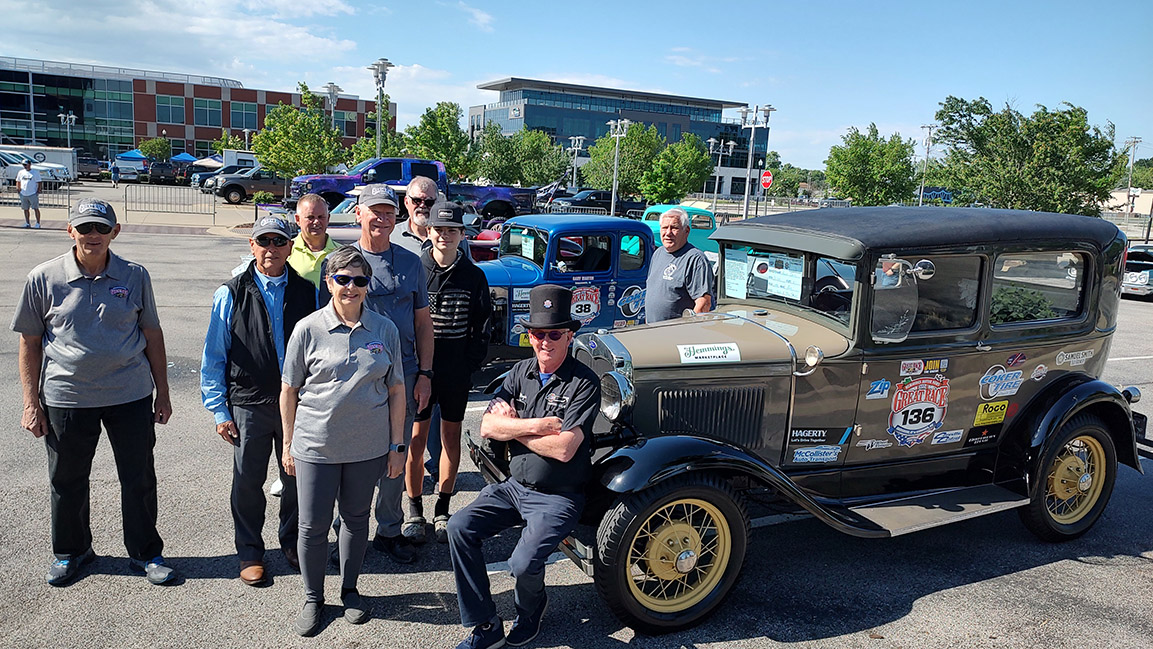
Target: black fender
647	462
1091	396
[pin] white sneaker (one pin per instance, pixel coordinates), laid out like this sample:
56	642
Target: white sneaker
27	225
277	488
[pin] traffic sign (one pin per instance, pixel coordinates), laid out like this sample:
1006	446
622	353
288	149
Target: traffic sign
766	179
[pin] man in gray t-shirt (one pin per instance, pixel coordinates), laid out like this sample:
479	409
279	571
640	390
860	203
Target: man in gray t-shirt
91	352
680	276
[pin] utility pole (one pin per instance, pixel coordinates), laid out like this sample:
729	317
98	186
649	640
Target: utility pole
618	128
925	162
1132	144
767	110
577	142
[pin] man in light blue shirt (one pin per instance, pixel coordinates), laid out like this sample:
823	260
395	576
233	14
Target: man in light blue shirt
240	385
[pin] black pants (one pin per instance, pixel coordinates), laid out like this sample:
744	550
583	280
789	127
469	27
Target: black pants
261	434
71	441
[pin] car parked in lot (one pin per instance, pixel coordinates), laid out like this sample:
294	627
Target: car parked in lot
1138	268
87	168
161	173
200	178
956	374
235	188
598	199
702	224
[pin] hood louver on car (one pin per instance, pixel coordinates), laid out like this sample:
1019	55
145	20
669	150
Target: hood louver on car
733	414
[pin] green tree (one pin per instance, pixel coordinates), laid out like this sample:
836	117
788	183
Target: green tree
157	148
1051	161
639	150
228	141
438	136
787	181
682	167
299	140
870	169
541	162
1142	174
496	158
391	144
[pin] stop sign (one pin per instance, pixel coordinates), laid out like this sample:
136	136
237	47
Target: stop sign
766	179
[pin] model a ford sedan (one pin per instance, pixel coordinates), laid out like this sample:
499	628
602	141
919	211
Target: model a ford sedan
886	370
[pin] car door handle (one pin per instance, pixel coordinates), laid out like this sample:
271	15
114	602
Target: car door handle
982	347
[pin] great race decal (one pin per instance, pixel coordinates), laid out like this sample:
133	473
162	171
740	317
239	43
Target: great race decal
918	410
586	303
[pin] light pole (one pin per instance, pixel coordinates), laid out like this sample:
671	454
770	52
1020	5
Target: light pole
69	121
925	162
333	93
247	132
1132	143
745	123
617	129
379	74
577	142
720	158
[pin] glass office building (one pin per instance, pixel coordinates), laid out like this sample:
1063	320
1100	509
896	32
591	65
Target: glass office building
563	110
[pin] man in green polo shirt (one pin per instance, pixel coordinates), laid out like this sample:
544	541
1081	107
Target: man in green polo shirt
313	244
92	353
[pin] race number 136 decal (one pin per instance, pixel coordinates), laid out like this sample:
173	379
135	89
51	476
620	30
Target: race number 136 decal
919	407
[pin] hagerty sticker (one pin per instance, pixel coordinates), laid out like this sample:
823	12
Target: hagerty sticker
918	410
991	413
715	353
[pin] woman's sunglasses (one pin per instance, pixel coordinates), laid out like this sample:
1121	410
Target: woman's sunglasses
264	241
360	281
85	228
554	335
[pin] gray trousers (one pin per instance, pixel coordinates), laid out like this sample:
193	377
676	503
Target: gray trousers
261	435
389	513
349	486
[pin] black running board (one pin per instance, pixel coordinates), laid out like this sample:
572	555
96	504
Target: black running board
939	508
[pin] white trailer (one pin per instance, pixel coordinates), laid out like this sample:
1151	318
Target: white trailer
49	156
239	157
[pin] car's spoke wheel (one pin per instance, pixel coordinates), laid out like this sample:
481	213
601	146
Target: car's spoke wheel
1075	480
669	555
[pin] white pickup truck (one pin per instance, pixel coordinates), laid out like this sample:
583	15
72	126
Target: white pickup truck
12	162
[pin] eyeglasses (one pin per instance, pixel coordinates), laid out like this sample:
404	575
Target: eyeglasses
277	241
428	202
344	280
553	335
85	228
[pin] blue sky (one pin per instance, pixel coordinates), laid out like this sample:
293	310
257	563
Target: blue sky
825	66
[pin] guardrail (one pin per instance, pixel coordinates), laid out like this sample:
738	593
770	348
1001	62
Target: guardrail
175	199
52	196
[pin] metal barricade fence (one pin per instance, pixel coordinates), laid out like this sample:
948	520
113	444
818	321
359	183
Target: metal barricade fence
564	209
52	195
175	199
1135	226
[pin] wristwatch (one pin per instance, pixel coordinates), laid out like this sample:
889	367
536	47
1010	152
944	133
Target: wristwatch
427	373
398	448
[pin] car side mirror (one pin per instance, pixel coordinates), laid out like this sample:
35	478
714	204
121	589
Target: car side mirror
370	176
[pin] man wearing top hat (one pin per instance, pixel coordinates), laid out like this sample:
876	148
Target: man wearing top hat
253	315
544	410
92	353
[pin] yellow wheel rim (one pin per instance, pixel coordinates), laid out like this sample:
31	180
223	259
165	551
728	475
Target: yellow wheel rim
679	555
1075	480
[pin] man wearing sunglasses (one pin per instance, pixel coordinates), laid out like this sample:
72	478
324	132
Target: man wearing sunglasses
92	353
253	315
420	199
544	411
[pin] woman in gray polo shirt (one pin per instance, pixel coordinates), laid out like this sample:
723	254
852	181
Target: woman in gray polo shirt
342	401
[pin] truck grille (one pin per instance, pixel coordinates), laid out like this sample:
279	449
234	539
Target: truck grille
733	414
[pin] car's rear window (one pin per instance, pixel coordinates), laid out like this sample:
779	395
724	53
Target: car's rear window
1031	286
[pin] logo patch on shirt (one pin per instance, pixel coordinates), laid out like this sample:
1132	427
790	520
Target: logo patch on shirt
556	401
375	347
669	271
119	291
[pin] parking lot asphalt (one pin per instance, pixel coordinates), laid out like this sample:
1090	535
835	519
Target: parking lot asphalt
981	583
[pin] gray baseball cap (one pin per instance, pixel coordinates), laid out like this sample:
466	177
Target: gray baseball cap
271	225
378	194
92	210
447	215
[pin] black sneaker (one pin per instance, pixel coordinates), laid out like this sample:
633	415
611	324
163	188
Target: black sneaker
156	570
525	627
398	548
308	620
485	636
63	571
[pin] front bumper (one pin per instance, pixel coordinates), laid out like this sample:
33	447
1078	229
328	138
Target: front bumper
1136	289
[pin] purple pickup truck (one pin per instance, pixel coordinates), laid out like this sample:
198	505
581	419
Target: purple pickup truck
493	202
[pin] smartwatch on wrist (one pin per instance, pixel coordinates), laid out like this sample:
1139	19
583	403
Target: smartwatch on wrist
398	448
427	373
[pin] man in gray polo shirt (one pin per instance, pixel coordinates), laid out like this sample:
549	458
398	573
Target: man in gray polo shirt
91	353
680	276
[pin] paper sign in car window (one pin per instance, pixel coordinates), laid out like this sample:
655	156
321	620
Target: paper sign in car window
736	273
526	245
781	273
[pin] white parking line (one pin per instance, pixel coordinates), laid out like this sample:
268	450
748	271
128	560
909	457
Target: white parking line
475	407
1131	358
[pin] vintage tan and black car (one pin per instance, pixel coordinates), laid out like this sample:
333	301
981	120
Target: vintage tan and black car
885	370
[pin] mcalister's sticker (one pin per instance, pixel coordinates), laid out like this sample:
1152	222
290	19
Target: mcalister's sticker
817	454
991	413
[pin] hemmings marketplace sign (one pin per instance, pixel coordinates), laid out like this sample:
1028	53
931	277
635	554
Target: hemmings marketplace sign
715	353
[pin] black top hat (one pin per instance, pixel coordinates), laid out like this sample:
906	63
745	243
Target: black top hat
550	307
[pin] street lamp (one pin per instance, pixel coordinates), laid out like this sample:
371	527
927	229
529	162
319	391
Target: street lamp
333	93
379	74
925	162
745	123
617	129
720	150
68	120
577	142
1129	198
247	132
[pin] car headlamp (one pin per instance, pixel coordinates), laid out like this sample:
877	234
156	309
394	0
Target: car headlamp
617	397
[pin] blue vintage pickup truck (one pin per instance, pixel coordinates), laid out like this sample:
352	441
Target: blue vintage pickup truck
604	260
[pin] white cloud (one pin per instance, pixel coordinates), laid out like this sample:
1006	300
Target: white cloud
297	8
482	20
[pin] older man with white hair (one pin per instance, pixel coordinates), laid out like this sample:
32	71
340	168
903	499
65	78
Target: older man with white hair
680	276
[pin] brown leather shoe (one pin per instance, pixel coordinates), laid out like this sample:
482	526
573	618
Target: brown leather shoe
292	558
252	572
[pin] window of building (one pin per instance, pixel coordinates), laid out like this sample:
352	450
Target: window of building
737	186
242	115
206	112
345	122
1029	286
202	148
177	146
632	252
169	109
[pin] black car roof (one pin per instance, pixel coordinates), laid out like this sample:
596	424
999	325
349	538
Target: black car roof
848	232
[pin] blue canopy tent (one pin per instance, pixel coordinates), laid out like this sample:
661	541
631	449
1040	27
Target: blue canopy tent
134	154
184	157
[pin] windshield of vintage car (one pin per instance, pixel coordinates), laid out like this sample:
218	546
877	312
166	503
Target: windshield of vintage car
522	241
822	284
